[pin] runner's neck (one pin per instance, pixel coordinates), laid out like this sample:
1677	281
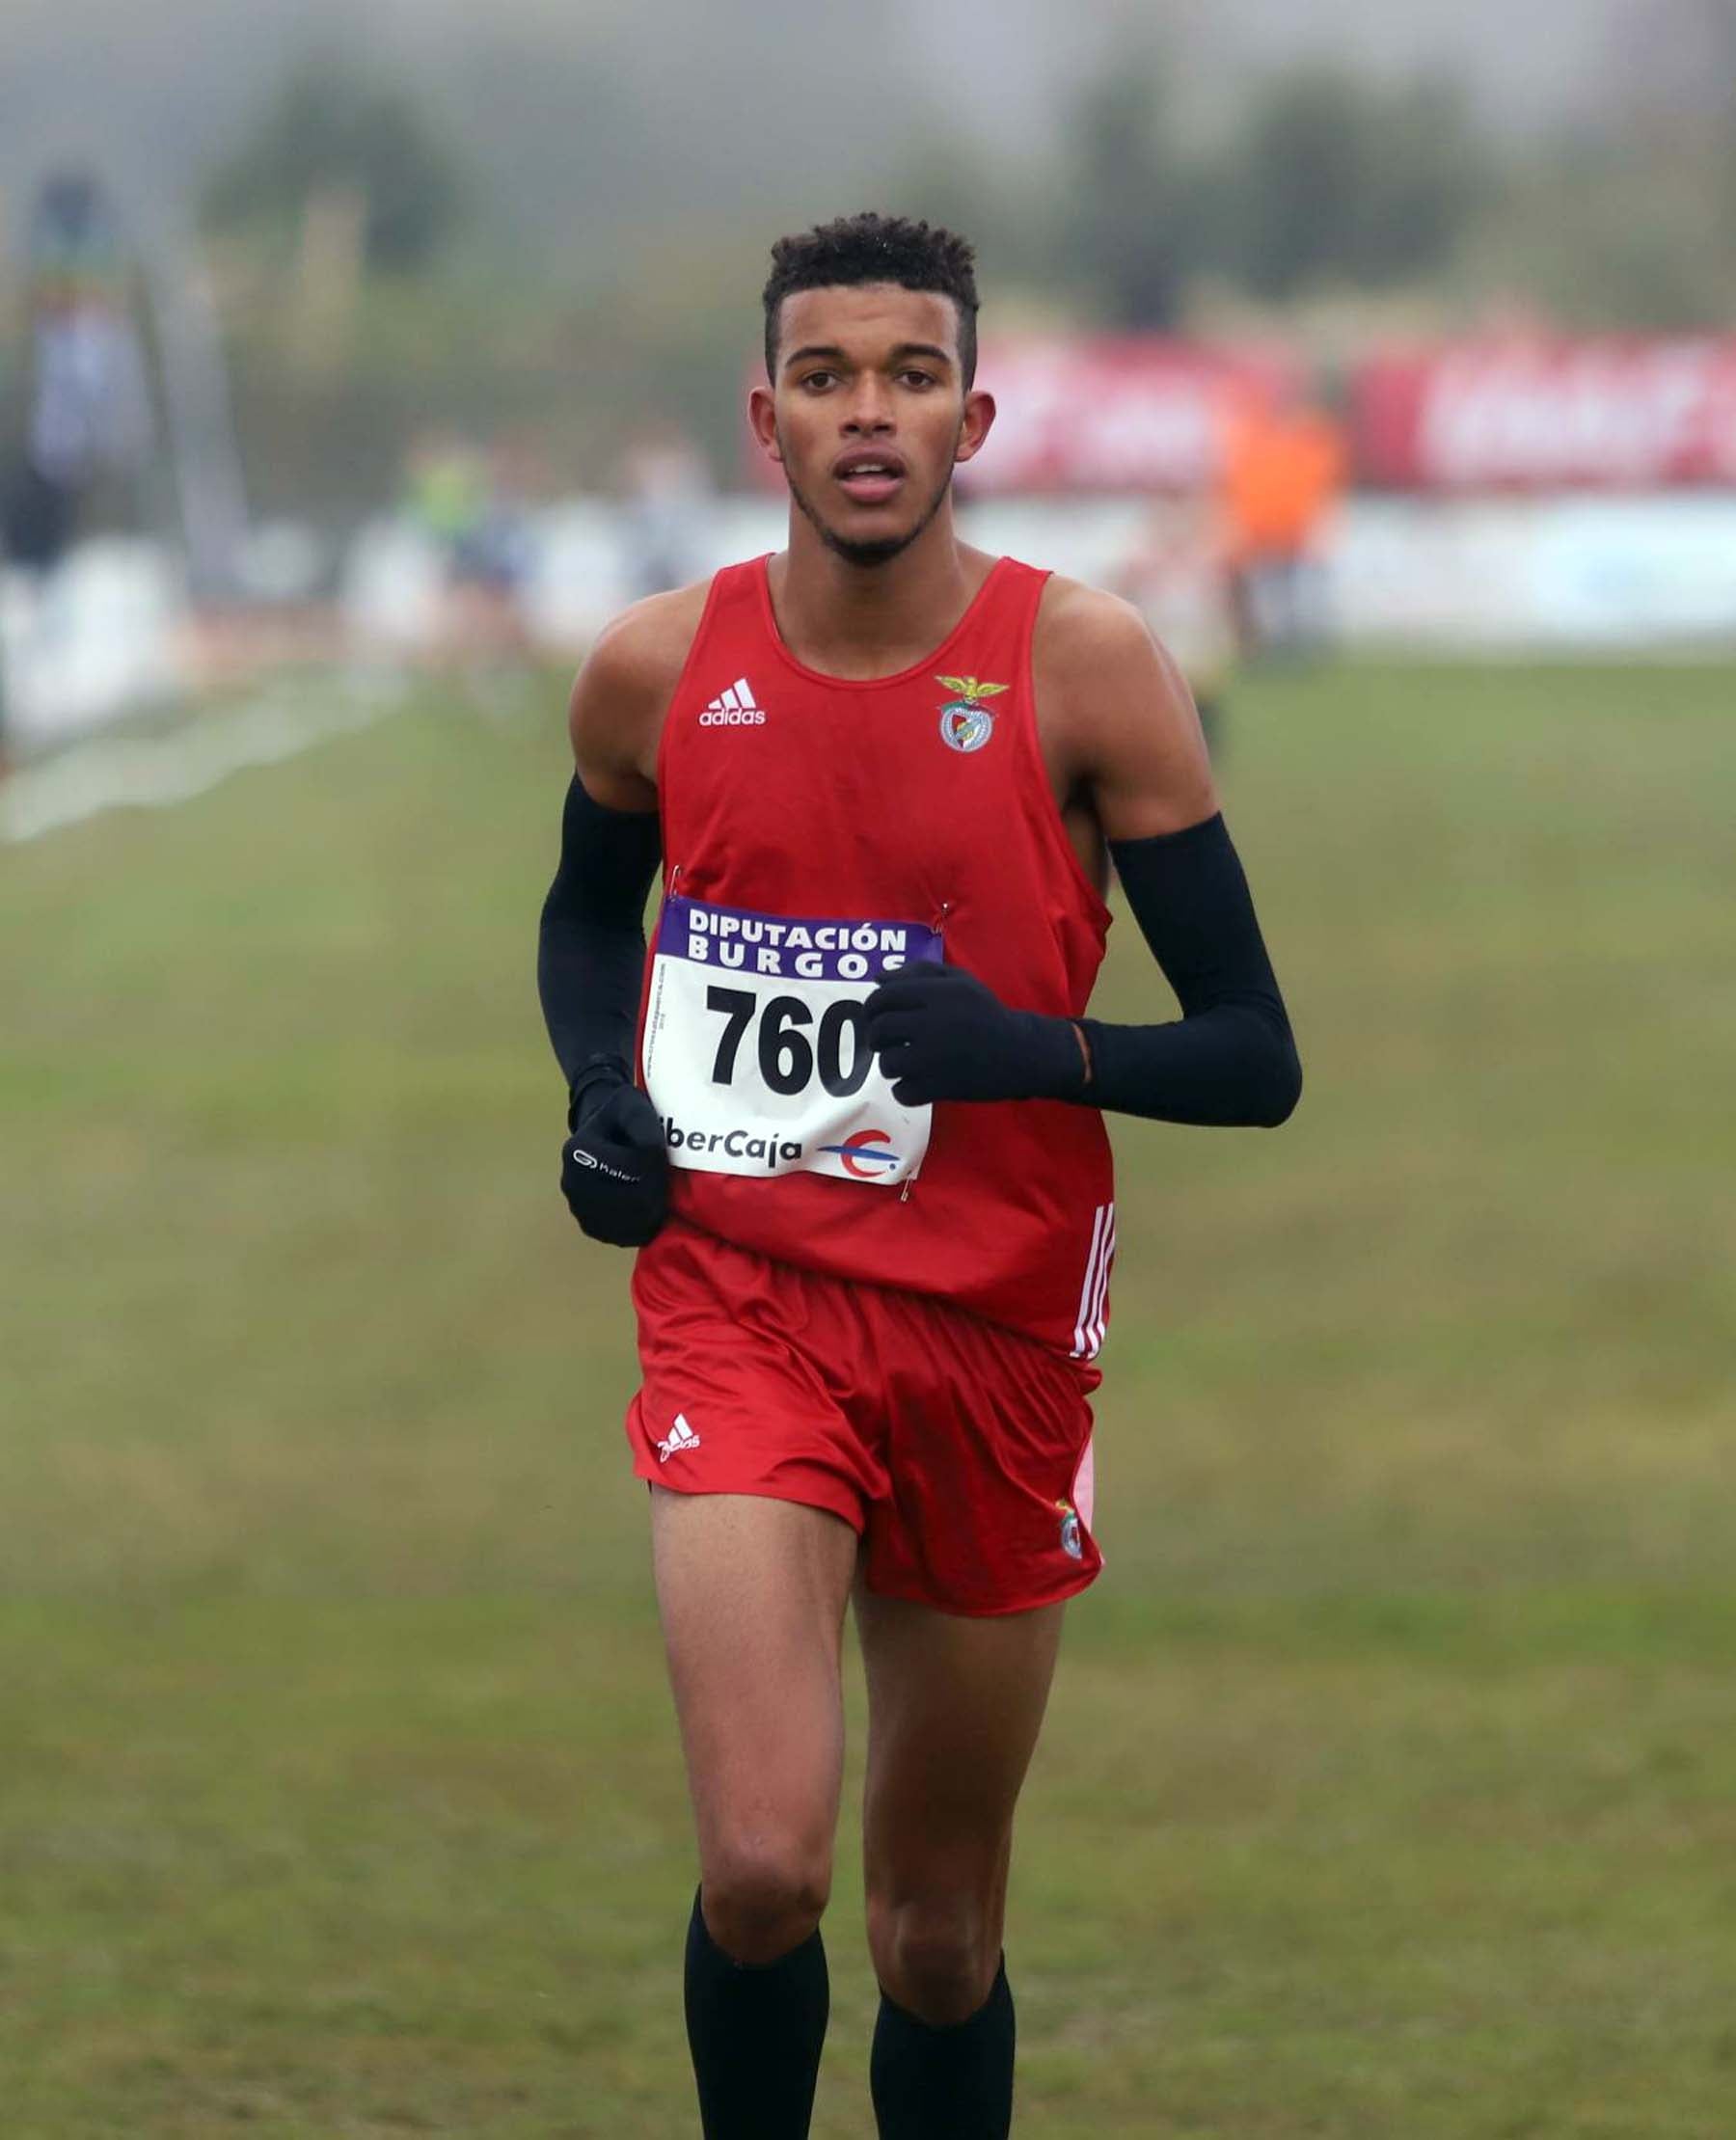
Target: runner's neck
857	622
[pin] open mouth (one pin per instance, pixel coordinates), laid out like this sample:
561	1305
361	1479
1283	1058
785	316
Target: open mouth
869	479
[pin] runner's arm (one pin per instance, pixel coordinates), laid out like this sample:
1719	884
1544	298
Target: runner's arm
1230	1057
591	948
592	944
1134	738
1125	730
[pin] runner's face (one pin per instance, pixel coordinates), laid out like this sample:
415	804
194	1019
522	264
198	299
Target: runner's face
868	413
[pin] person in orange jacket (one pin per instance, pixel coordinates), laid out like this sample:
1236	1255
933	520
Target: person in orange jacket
1281	476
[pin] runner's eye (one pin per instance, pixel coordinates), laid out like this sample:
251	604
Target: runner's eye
918	379
818	380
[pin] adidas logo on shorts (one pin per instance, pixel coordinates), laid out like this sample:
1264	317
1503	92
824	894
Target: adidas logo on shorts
733	708
681	1437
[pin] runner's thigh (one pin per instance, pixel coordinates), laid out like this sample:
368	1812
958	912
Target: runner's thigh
752	1592
954	1708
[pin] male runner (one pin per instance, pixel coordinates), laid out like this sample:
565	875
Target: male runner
858	1141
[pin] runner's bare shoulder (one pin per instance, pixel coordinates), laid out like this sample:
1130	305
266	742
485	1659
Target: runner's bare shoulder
622	692
1080	627
1116	713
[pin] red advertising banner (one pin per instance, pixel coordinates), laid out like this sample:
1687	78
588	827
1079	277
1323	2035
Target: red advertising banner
1550	416
1130	413
1147	414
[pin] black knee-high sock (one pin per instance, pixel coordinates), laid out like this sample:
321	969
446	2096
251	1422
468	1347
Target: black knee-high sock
755	2034
945	2083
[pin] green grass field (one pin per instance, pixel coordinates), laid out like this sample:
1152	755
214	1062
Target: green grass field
1390	1786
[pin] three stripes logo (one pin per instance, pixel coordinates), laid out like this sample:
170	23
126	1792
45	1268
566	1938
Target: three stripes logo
681	1438
733	708
1093	1294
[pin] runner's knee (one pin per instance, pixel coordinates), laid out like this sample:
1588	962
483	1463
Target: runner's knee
936	1956
763	1895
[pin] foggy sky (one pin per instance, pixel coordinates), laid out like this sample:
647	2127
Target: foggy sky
631	108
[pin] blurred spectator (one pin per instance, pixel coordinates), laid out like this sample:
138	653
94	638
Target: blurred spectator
666	488
89	412
1180	577
1285	462
464	501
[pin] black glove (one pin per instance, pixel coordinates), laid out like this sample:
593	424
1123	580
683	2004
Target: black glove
943	1034
614	1170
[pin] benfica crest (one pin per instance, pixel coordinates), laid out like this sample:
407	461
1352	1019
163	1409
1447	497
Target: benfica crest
965	723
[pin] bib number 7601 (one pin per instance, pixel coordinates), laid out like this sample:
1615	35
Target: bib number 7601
787	1060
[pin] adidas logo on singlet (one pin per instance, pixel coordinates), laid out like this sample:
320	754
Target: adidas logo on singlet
733	708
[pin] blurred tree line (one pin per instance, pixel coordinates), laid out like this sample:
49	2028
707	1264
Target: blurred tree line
327	134
1326	183
371	291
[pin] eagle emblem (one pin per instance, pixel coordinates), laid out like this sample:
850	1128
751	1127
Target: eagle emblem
965	723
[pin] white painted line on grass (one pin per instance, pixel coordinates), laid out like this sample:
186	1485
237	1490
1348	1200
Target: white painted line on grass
153	771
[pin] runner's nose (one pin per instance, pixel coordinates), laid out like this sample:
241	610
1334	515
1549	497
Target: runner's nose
869	411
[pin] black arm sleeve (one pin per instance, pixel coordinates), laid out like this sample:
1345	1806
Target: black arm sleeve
1231	1057
591	950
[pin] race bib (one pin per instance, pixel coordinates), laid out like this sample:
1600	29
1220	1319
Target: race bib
756	1053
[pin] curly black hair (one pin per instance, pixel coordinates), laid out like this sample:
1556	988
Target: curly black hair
875	249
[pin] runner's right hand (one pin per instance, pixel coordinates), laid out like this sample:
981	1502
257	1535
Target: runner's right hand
614	1170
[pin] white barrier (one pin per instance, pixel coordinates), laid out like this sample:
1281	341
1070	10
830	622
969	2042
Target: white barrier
1565	576
1465	576
1569	575
95	641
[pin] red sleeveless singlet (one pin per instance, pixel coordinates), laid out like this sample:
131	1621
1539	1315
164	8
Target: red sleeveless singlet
818	832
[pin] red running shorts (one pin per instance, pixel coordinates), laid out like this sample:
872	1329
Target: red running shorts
960	1452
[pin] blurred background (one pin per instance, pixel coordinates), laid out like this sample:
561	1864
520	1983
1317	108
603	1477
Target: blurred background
352	372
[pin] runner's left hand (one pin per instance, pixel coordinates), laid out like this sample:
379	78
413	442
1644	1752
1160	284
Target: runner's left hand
943	1034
